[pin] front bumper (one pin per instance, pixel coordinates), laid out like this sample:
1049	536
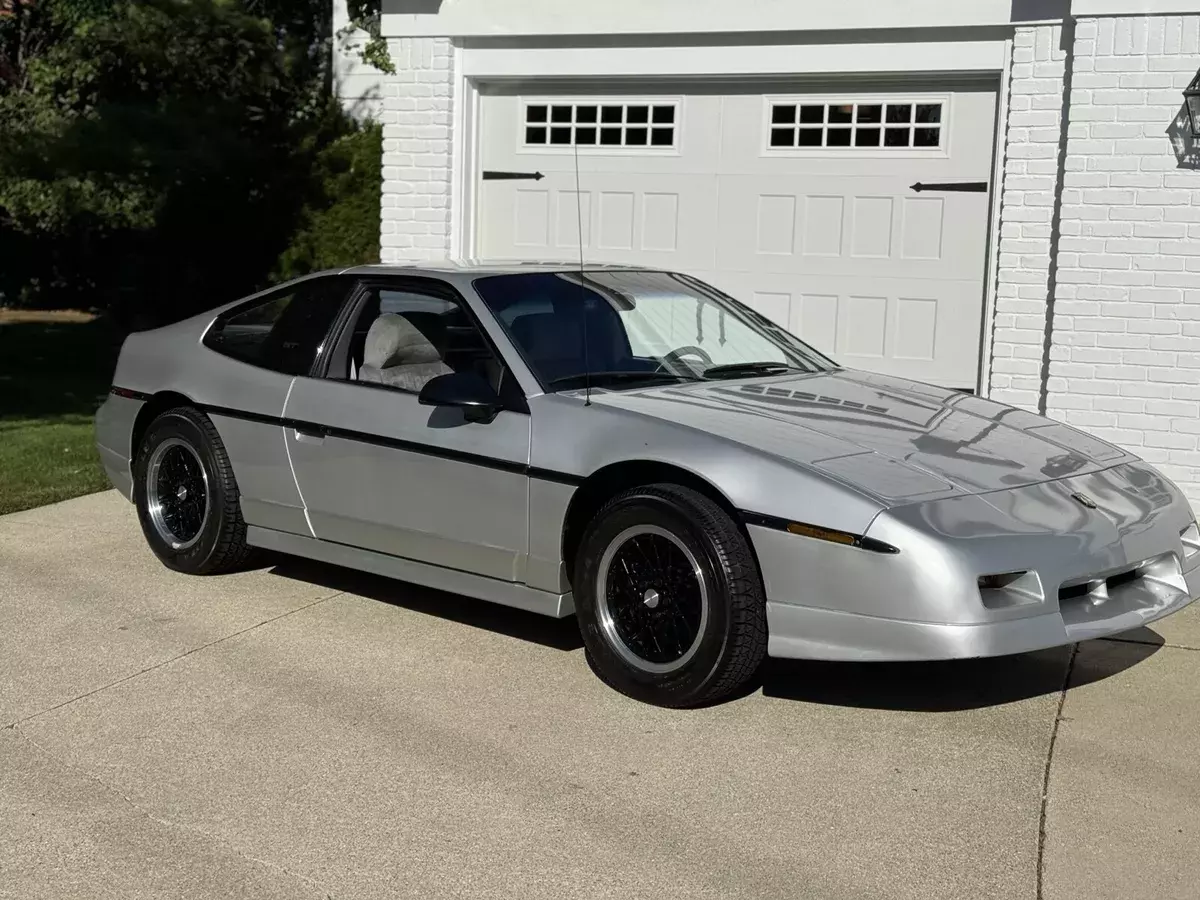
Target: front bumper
1098	572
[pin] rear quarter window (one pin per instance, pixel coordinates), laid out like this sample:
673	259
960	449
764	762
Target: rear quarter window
284	330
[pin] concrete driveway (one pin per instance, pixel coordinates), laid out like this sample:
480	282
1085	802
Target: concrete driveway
307	732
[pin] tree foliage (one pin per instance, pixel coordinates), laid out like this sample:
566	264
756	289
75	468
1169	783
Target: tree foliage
339	223
161	154
366	15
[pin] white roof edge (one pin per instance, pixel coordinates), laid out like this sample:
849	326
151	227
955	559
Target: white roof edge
542	18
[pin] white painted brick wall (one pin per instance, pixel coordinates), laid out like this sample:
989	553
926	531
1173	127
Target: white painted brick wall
1125	356
1026	207
417	118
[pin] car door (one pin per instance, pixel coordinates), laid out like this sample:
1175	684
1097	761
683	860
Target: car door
377	470
268	340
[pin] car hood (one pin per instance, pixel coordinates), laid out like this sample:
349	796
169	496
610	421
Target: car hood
896	440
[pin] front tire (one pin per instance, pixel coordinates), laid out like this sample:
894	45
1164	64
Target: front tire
669	598
187	498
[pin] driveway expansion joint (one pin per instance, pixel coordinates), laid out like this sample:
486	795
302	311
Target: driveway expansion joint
1122	640
168	823
1058	717
167	662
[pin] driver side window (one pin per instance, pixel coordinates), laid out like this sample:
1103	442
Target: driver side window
403	338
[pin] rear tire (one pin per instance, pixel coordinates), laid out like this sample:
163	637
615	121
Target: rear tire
187	498
669	598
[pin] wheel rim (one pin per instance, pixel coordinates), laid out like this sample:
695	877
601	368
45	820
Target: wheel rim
651	599
177	493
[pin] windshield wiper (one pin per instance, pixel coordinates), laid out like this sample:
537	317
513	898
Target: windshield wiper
733	370
600	378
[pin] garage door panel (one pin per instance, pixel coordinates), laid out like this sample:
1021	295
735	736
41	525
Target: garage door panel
848	226
903	327
637	219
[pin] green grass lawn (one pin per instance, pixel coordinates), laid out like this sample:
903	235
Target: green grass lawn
54	371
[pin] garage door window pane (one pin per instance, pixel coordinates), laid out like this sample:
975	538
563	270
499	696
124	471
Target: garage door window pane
929	112
838	137
811	137
611	114
635	137
560	136
585	137
783	137
664	115
866	137
560	114
897	137
842	113
586	114
637	115
610	137
812	115
869	114
535	135
783	115
926	137
662	137
535	114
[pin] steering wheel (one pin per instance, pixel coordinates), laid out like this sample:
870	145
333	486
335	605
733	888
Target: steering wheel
677	355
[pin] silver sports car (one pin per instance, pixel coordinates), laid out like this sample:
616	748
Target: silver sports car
695	484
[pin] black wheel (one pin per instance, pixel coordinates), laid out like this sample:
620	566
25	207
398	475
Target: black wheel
669	599
187	497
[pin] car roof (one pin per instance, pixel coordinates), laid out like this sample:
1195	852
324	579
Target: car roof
488	267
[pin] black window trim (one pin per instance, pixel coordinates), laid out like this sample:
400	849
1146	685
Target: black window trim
512	395
264	297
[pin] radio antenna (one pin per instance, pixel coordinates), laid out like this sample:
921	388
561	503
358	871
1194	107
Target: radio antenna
583	292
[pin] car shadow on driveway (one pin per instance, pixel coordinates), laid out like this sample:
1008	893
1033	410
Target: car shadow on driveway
918	686
558	634
948	686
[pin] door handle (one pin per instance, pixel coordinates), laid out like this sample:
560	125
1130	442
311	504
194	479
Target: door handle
309	434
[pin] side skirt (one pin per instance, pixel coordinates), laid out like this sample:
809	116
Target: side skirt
505	593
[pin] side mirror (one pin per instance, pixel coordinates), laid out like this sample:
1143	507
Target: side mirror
466	390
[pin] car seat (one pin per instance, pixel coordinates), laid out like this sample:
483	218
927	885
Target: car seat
399	355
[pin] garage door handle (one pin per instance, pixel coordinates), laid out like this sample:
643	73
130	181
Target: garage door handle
974	187
513	176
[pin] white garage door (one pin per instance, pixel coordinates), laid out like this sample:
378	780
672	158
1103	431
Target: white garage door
799	203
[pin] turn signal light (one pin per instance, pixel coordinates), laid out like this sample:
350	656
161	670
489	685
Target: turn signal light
821	534
840	537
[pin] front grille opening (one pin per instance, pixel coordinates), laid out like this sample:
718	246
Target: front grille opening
1190	538
1009	589
1099	586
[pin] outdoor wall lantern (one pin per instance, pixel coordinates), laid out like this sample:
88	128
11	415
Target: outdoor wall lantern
1191	99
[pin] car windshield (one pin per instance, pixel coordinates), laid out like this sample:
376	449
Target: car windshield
620	329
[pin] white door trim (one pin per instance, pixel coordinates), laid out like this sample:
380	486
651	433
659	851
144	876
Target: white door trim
485	63
992	275
464	158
